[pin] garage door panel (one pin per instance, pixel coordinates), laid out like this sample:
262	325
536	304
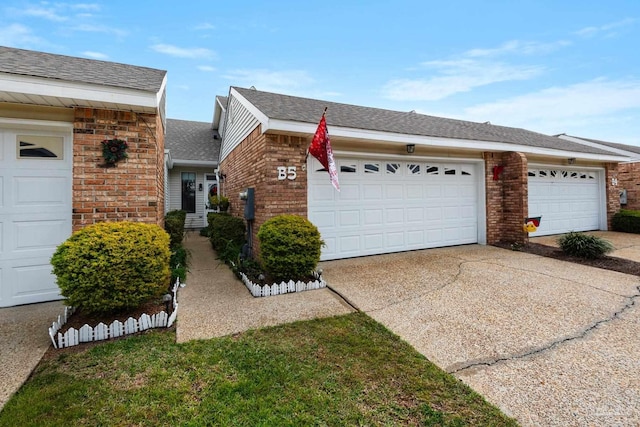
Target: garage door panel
35	216
401	206
567	200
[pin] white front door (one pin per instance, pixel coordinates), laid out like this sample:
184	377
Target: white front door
35	211
391	205
567	199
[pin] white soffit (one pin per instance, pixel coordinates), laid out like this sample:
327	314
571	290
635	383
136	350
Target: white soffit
59	93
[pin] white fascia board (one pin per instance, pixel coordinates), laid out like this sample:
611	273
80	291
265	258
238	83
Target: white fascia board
35	124
631	154
78	91
168	161
163	87
430	141
259	115
195	163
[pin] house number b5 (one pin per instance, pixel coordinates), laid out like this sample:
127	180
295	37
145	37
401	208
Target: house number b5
287	172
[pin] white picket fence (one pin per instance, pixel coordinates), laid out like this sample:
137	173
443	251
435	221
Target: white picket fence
116	329
283	287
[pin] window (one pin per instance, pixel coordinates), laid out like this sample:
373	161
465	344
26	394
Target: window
392	168
533	173
413	169
449	171
40	147
432	170
371	167
188	192
348	168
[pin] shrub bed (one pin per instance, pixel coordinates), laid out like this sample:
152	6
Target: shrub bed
227	235
584	245
289	247
112	266
627	221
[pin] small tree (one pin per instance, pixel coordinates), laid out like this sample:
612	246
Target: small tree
289	247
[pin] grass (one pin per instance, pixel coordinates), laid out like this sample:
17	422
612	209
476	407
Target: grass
346	370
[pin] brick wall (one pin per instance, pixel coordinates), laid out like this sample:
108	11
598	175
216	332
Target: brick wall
629	179
254	164
613	191
133	189
506	198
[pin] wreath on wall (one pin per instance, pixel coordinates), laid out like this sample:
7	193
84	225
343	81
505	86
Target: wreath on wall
114	150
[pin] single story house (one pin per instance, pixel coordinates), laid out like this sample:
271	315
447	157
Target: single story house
408	180
628	171
191	159
55	111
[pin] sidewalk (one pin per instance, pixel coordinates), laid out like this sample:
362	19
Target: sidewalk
215	303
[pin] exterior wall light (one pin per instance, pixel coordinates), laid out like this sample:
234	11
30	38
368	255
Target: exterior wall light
411	148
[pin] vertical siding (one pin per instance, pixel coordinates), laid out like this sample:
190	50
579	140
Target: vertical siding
239	124
194	220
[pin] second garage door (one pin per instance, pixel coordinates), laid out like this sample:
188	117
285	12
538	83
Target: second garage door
393	205
567	199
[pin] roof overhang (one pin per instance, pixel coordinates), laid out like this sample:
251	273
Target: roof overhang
631	156
21	89
373	136
171	163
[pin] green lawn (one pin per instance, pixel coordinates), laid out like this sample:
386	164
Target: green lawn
346	370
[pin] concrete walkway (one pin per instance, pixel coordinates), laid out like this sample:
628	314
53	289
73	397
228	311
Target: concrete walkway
23	342
215	303
549	342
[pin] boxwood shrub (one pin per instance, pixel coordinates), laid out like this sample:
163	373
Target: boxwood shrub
584	245
174	225
627	221
112	266
227	235
289	247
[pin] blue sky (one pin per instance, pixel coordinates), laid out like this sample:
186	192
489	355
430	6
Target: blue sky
552	67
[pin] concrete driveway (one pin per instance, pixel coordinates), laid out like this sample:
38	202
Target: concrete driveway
549	342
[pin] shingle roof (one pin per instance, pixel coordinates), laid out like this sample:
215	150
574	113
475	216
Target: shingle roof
189	140
306	110
72	69
224	100
631	148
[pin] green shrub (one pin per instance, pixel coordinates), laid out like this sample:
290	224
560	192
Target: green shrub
178	263
227	235
289	247
584	245
174	225
112	266
627	221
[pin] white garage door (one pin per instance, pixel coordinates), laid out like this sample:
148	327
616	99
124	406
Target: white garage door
567	199
35	212
393	205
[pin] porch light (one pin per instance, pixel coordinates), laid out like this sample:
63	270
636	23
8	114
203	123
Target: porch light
411	148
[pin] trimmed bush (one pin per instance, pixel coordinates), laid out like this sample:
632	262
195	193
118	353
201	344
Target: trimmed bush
227	235
584	245
289	247
112	266
174	225
178	263
627	221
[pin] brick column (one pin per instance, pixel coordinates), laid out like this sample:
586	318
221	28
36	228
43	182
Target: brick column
613	186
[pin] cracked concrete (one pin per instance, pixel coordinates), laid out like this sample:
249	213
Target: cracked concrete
536	336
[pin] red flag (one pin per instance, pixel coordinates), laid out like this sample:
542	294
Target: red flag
320	148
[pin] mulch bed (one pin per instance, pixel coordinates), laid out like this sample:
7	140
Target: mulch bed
606	262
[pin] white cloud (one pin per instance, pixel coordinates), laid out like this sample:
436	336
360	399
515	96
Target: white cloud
20	36
456	76
560	109
607	30
206	68
284	81
99	28
48	13
473	68
56	12
518	47
204	27
180	52
95	55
